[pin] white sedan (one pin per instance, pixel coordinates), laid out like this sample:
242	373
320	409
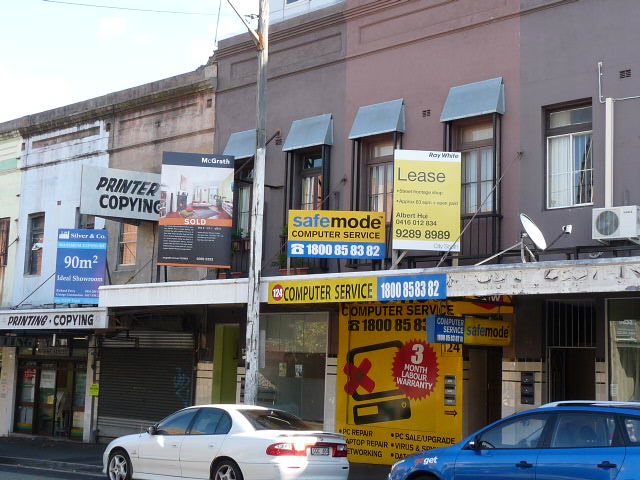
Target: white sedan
228	442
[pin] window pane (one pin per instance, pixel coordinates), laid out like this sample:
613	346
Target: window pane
128	244
579	430
274	420
632	427
177	423
574	116
559	175
486	164
244	210
382	149
485	190
207	421
469	166
523	432
477	133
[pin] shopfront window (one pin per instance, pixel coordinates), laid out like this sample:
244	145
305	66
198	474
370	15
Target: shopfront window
624	351
292	367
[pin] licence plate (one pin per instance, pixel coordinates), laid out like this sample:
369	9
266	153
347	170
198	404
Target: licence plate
320	451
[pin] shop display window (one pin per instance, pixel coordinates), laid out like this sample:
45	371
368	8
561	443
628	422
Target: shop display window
624	349
292	365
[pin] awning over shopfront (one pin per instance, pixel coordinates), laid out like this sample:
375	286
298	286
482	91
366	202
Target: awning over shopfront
378	118
474	99
309	132
241	144
55	319
536	278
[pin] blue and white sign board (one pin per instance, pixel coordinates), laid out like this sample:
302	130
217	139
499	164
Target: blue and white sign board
80	265
445	329
413	287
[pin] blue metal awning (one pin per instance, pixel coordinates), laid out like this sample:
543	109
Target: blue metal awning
309	132
379	118
241	144
474	99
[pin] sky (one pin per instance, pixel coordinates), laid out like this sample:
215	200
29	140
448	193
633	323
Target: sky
58	53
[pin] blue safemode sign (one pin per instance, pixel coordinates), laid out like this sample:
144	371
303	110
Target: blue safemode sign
80	265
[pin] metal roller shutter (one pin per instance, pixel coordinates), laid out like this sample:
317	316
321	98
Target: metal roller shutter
142	384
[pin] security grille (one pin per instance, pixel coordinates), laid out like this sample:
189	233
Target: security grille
571	324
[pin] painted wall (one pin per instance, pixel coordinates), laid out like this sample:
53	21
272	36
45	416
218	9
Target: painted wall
10	145
411	50
562	66
171	115
51	174
280	10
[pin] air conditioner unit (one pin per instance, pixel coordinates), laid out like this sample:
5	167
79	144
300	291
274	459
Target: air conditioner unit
616	223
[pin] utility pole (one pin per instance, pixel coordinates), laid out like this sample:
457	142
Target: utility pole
257	213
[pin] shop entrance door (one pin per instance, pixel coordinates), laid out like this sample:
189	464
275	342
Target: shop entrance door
483	389
564	384
46	398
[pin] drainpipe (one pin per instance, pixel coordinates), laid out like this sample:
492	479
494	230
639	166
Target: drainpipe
608	152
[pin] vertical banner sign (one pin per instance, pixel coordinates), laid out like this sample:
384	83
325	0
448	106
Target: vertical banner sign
396	394
80	265
336	234
196	210
426	200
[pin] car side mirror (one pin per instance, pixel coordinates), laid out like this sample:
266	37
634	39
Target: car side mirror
152	430
473	444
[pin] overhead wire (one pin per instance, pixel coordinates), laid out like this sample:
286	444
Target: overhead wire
129	8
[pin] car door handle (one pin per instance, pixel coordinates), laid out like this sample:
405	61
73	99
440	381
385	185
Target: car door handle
607	464
523	464
211	445
174	445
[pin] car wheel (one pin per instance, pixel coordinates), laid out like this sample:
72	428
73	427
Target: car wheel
227	470
119	466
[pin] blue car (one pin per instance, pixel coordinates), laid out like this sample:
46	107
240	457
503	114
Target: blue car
559	441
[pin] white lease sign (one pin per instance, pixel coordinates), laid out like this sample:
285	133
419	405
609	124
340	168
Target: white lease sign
58	319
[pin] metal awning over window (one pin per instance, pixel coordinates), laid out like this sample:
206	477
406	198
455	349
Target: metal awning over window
241	144
310	132
379	118
474	99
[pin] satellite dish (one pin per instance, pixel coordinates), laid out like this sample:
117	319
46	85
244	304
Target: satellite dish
534	233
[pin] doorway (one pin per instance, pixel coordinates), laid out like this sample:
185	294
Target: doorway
483	390
50	398
571	348
564	384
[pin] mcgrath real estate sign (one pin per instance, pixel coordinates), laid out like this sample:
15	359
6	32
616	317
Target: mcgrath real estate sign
426	200
196	210
80	265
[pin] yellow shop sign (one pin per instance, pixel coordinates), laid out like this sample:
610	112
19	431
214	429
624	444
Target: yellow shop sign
323	291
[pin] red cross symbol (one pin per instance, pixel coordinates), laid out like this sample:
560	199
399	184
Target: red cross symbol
358	377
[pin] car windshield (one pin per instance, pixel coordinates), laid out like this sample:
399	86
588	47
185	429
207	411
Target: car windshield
274	420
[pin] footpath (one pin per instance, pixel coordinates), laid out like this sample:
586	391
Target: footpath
67	456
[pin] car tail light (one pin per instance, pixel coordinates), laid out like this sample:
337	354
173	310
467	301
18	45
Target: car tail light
340	450
286	448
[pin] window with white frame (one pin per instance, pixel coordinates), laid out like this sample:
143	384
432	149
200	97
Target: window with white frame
569	157
35	244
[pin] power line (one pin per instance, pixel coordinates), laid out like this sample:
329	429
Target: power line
130	9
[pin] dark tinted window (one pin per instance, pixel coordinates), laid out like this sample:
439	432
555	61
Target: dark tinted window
580	430
224	425
274	420
177	423
207	421
520	432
